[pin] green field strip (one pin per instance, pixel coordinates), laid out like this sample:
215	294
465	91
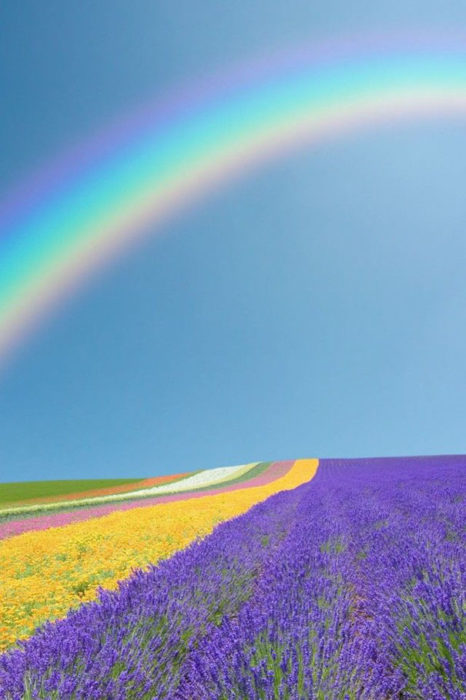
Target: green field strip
23	490
30	511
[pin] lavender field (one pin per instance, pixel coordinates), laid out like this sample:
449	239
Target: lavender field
350	586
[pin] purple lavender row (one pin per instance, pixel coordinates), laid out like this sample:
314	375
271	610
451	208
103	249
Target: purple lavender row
351	586
364	598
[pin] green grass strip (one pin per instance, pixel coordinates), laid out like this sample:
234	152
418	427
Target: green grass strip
23	490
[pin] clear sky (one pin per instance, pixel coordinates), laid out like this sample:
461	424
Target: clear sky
316	307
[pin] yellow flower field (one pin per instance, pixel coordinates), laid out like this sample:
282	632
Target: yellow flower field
47	572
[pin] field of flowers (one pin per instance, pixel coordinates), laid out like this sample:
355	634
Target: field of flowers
349	585
180	483
16	522
46	572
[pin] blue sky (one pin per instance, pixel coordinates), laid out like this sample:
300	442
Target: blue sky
315	308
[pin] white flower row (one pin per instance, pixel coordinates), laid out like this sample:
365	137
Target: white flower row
208	477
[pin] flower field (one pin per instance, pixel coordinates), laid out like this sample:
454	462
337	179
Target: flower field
15	522
348	584
45	572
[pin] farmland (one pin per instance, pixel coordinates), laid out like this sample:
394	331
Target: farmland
348	582
20	492
49	570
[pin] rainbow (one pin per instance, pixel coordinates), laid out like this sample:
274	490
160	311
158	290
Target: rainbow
84	209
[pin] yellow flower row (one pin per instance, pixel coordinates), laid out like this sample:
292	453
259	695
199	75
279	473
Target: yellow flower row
47	572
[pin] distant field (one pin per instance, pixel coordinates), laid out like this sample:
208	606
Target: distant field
22	490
